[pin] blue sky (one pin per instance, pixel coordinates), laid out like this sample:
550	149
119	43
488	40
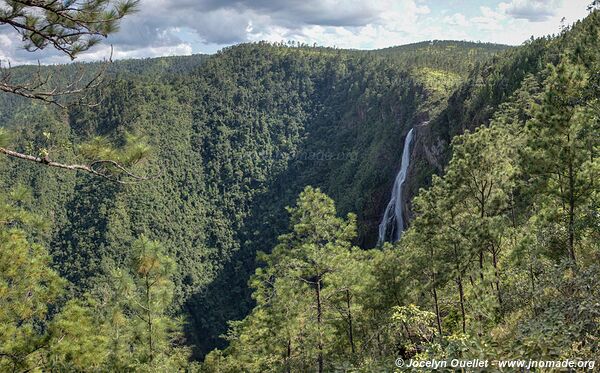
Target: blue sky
182	27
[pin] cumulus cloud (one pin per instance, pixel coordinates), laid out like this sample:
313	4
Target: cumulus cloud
158	24
166	27
234	21
457	19
151	51
490	20
531	10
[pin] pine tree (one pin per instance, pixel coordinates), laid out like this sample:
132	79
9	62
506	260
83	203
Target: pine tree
77	339
142	335
482	176
299	292
562	144
28	287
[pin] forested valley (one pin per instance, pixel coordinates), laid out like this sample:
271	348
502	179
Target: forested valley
249	243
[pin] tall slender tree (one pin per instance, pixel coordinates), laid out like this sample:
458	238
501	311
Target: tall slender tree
562	146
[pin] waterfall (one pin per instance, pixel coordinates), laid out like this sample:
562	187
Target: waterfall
392	224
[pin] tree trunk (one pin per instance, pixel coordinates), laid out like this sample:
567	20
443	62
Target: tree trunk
437	308
497	276
532	279
288	363
434	290
512	210
319	319
481	265
571	213
350	327
462	303
461	292
149	322
482	215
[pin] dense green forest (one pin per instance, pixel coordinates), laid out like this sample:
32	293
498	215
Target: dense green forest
203	267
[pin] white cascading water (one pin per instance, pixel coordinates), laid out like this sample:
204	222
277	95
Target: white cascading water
392	225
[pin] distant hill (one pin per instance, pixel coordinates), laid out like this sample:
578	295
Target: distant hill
455	56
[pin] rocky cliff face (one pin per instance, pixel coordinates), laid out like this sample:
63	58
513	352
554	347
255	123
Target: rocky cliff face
427	159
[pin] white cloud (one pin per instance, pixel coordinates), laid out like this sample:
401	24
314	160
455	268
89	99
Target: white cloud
490	20
182	49
515	30
395	21
531	10
165	27
457	19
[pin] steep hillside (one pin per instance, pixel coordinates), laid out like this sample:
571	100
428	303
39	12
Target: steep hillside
235	137
500	80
